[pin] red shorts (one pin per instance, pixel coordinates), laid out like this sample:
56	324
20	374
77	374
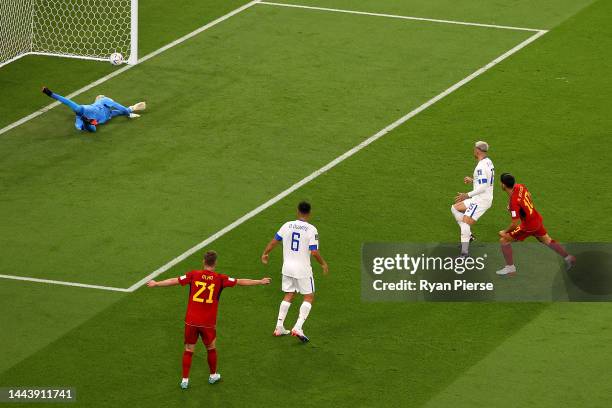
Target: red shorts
192	333
519	234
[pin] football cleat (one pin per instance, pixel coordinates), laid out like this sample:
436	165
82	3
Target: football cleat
46	91
300	335
509	270
134	115
140	106
472	238
570	261
213	378
280	331
184	384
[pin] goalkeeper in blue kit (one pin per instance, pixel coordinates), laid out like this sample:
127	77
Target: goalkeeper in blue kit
88	117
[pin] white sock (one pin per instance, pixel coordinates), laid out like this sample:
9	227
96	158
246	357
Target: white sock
457	214
466	233
282	313
304	311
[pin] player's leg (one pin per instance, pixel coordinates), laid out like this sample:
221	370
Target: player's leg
570	260
506	247
209	336
191	338
119	110
288	286
470	215
466	214
76	108
306	288
116	108
458	210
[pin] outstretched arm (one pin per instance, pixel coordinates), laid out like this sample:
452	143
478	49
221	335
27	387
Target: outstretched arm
76	108
320	260
252	282
167	282
266	253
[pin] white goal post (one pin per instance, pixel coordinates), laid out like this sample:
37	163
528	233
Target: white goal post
86	29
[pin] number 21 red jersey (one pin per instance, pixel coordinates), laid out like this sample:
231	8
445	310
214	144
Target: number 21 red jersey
204	292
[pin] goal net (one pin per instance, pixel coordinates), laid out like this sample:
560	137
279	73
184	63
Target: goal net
88	29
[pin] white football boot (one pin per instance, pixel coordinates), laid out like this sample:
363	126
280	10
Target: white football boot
185	383
300	335
507	270
140	106
213	378
280	331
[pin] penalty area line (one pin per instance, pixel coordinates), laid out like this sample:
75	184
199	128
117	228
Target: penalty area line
334	162
64	283
113	74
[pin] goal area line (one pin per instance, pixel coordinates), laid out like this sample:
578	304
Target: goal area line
164	268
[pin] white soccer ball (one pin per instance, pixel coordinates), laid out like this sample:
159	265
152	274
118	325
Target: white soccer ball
116	58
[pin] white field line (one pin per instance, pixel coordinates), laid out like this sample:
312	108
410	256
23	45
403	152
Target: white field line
432	20
300	183
55	282
333	163
127	67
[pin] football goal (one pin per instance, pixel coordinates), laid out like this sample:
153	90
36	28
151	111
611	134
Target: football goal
87	29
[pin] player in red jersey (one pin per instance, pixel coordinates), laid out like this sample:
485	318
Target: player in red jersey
205	288
526	222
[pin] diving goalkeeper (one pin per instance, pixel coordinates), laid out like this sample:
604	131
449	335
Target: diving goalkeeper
88	117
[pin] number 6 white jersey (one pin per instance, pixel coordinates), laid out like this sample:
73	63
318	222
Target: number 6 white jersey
298	238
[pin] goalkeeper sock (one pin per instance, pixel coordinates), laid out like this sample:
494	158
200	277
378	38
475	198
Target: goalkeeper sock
187	357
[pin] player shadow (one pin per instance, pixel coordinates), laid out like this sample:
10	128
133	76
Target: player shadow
591	277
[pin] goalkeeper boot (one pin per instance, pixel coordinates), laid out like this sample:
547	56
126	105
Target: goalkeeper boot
47	91
134	115
140	106
213	378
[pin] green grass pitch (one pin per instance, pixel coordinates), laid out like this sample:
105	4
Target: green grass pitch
243	111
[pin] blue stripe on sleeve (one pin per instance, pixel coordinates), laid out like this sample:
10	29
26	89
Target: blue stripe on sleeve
313	247
278	237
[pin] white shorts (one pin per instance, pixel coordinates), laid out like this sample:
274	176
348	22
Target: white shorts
304	286
475	208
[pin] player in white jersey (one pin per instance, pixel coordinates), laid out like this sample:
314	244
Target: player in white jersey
300	240
469	207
